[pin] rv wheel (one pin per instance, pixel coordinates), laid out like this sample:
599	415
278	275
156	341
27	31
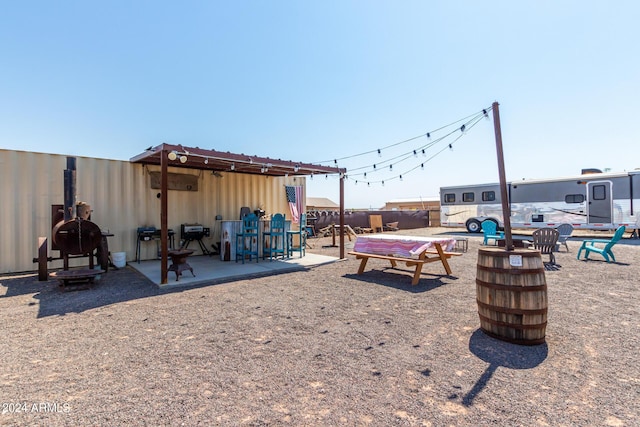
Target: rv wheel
473	226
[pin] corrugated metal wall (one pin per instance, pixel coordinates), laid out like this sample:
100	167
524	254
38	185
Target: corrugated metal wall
122	200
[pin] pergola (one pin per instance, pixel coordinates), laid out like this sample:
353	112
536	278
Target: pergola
218	161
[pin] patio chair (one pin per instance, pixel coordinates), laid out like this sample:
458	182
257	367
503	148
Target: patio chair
590	245
545	240
247	239
301	234
274	239
490	230
375	223
565	231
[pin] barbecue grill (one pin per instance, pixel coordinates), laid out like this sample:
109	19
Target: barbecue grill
194	232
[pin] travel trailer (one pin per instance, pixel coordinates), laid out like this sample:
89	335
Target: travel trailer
591	201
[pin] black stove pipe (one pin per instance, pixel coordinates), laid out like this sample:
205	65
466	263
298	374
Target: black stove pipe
69	188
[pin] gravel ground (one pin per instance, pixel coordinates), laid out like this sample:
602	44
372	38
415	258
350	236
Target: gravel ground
321	347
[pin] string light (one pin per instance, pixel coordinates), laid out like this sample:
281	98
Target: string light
413	153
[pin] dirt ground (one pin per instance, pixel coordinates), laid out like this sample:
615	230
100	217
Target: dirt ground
322	347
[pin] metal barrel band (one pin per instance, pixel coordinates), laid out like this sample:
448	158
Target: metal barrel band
498	287
540	325
506	310
513	271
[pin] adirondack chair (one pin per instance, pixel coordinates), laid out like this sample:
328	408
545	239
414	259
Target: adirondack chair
375	223
490	230
545	240
565	231
590	246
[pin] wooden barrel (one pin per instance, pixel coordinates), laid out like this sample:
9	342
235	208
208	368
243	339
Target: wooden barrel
511	291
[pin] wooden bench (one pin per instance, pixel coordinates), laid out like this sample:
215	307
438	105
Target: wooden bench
422	259
76	278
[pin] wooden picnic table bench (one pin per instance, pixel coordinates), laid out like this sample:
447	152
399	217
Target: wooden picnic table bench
400	249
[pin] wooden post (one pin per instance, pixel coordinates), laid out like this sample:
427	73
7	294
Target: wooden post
341	216
164	230
506	210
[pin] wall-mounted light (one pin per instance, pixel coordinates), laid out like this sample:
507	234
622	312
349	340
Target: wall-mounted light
173	155
183	159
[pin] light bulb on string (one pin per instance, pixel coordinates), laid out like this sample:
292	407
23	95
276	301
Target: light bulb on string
424	154
379	153
422	166
463	129
390	167
428	135
365	174
486	114
374	166
415	153
401	178
383	183
206	161
233	166
450	147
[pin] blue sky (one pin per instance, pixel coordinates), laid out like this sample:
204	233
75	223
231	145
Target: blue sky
319	80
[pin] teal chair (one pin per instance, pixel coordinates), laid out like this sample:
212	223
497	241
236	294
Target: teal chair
247	239
590	245
274	240
490	231
301	234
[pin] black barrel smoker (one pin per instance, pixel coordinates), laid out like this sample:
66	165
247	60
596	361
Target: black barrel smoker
73	237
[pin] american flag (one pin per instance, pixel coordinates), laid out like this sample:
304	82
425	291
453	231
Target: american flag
294	198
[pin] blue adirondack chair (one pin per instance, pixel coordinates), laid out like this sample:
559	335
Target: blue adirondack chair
590	246
490	230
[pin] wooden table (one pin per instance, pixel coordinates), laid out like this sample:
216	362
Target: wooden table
414	251
78	279
179	262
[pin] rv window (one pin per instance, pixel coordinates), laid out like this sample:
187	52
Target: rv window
574	198
468	197
449	198
488	196
599	192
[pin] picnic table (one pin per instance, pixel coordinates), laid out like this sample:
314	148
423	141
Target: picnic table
414	251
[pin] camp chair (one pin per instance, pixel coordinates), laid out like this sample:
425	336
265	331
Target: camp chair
565	231
490	230
590	245
274	240
545	240
375	223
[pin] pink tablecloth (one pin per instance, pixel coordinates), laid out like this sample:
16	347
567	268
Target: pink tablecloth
393	244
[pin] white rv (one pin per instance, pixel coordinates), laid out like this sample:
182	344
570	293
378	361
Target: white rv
593	201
